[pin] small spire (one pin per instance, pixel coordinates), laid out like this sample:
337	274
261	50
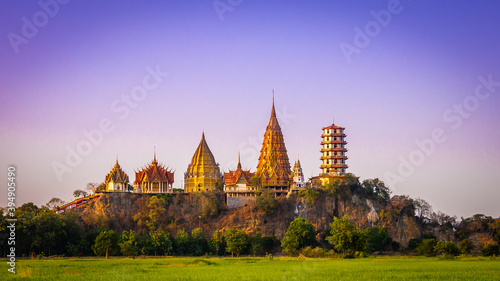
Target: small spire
273	112
239	162
333	120
117	159
154	158
203	135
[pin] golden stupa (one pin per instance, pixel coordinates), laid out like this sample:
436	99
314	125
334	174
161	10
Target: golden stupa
203	174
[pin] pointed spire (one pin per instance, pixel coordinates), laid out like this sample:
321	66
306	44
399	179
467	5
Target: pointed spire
117	159
239	162
154	158
273	112
203	135
333	120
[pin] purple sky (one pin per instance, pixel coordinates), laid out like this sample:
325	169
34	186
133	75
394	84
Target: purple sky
418	73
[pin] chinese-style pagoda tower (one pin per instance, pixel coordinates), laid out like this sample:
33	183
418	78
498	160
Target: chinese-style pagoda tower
117	179
333	151
203	173
154	178
273	167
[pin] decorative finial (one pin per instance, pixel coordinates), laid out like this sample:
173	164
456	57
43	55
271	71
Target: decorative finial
239	162
117	158
154	158
273	112
333	120
203	134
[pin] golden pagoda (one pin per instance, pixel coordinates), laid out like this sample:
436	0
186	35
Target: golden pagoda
203	174
155	178
117	179
273	167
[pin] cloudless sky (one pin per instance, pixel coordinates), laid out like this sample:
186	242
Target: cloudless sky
222	65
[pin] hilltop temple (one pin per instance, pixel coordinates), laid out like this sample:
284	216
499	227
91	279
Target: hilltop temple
273	167
117	179
203	173
298	176
154	178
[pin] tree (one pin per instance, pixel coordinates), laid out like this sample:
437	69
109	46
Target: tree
198	242
345	237
266	201
256	243
465	246
236	241
183	242
310	194
106	242
255	181
54	202
162	242
91	187
378	239
376	187
129	243
217	243
426	247
490	249
446	248
422	207
79	193
300	234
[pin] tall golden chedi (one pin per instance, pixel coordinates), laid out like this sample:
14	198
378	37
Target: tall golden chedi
273	167
203	174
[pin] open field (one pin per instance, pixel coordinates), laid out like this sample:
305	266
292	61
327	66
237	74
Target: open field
283	268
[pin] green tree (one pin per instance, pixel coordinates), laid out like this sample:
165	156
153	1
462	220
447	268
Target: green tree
426	247
345	237
236	241
378	238
310	194
217	243
490	249
446	248
376	187
106	242
129	243
183	243
256	243
266	201
162	242
300	234
465	246
198	242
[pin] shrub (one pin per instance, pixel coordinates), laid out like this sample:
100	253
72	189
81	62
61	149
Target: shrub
465	246
491	249
446	248
426	247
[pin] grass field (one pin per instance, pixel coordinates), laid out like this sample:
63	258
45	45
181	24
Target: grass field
213	268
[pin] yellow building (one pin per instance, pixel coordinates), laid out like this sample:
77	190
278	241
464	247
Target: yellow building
203	173
273	167
117	179
238	182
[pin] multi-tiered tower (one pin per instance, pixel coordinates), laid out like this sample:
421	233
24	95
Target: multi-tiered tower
203	174
273	167
333	151
298	175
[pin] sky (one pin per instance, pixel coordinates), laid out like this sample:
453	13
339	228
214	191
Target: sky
413	82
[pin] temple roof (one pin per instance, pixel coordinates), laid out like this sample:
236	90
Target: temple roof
117	175
232	177
203	160
154	172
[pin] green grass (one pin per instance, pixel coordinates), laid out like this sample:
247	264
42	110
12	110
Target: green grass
174	268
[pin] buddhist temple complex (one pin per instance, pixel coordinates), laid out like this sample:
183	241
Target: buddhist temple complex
117	179
273	167
203	173
238	183
154	178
